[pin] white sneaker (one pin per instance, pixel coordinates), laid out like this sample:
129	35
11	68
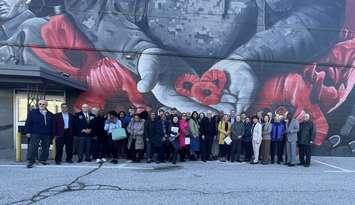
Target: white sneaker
98	160
103	159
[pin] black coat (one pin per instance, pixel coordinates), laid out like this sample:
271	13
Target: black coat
98	127
208	127
153	131
81	123
306	133
247	137
35	123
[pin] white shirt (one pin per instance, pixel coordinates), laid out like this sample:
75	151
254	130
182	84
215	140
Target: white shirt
66	120
109	126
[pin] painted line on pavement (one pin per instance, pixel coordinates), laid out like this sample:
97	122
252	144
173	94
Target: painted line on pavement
339	169
121	166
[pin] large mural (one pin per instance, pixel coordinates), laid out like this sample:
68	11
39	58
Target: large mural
242	55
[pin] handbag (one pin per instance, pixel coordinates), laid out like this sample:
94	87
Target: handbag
118	134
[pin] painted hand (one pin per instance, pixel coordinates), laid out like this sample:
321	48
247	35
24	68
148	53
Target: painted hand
159	70
241	86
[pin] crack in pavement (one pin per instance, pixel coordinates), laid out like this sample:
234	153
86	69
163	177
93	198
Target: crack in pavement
77	186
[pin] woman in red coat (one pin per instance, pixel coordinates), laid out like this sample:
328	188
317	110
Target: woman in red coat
184	131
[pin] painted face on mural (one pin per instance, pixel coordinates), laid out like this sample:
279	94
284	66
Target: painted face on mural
11	8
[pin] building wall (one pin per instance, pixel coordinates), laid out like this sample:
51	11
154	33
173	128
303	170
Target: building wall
278	56
6	119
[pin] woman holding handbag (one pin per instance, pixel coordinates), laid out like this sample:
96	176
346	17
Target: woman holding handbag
224	132
111	124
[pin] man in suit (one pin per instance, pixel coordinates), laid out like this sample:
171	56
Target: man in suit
83	132
39	127
63	128
208	133
292	128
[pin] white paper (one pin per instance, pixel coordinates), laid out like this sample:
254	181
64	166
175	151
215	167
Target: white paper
175	129
187	140
228	140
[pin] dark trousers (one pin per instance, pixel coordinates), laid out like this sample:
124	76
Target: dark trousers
236	149
183	153
247	150
277	148
34	145
206	148
67	141
102	148
83	145
305	152
224	150
115	147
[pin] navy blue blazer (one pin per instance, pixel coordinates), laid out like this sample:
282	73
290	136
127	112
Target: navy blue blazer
35	124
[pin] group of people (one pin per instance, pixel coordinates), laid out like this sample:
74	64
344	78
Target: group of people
168	136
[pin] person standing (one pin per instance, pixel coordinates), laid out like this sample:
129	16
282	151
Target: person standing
208	133
292	128
112	123
154	134
224	131
194	132
266	141
102	143
63	129
83	129
39	128
135	141
277	135
247	140
183	135
305	139
256	132
237	135
173	132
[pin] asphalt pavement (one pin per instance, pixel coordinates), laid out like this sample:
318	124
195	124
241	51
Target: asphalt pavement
329	180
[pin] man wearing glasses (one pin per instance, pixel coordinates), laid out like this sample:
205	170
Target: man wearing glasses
39	128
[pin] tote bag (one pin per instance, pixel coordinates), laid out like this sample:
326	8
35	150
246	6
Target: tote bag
119	134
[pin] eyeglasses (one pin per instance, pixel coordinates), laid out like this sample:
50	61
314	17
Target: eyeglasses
41	104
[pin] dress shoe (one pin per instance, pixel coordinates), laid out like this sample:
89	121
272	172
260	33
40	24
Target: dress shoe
30	165
43	162
57	162
291	165
306	165
87	160
69	161
80	160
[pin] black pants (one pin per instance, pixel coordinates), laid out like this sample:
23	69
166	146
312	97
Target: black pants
236	149
206	148
277	148
83	145
224	150
247	150
67	141
305	152
34	145
184	153
102	148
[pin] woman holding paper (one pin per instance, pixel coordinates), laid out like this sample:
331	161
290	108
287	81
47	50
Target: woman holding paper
224	132
173	133
184	140
112	123
256	131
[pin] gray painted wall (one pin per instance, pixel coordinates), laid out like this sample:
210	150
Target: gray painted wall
6	119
